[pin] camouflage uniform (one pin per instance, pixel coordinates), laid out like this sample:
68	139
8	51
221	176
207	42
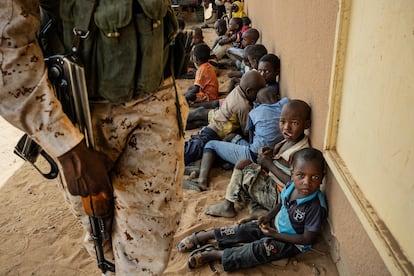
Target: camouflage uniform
141	135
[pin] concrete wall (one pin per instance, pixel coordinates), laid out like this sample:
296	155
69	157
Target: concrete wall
302	34
373	97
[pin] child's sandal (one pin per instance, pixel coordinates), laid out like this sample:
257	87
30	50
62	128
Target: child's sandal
190	243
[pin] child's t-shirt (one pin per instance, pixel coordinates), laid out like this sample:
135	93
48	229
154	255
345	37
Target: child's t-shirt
245	28
302	214
206	79
238	42
285	155
264	123
232	114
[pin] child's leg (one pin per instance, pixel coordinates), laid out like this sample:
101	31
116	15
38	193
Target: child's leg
240	165
197	118
195	240
195	124
200	113
234	192
226	207
207	105
190	96
261	251
263	193
207	162
229	152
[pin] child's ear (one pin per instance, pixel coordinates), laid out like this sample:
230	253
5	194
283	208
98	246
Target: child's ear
307	124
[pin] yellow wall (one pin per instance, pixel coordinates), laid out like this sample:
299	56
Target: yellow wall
367	106
301	33
375	135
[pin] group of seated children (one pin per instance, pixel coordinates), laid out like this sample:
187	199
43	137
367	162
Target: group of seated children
263	138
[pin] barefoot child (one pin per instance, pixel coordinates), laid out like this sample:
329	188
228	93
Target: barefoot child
259	183
229	117
287	230
263	127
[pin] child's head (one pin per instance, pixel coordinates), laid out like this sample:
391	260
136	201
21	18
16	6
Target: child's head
220	27
236	6
294	119
308	170
246	21
251	82
250	37
252	55
201	53
198	36
181	24
235	24
267	96
269	67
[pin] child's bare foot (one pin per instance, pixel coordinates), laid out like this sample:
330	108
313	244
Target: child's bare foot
223	209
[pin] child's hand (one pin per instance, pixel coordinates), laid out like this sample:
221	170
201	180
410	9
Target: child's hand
266	151
264	159
267	230
246	219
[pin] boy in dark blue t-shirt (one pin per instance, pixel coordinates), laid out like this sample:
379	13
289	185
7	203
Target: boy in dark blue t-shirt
287	230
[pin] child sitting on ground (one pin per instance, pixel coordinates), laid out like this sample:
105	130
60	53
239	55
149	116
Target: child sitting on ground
199	116
231	39
196	38
249	37
206	85
220	27
259	183
290	228
230	116
269	67
263	127
252	54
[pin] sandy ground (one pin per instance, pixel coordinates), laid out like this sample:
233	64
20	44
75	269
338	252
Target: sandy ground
39	235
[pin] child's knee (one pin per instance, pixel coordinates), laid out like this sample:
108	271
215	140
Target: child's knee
241	164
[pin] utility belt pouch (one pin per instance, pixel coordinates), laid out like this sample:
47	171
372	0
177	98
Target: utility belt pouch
126	48
153	45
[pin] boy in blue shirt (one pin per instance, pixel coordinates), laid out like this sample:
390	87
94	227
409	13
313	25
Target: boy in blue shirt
263	128
287	230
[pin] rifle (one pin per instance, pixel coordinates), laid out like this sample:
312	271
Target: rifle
68	79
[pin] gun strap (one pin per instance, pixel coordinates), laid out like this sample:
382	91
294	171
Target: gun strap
177	100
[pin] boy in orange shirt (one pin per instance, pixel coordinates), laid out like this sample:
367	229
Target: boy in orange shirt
205	86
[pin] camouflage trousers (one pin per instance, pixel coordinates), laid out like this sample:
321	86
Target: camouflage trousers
142	138
252	186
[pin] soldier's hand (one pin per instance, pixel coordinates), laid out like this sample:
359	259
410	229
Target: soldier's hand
86	171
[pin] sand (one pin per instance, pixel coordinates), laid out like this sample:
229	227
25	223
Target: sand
39	235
